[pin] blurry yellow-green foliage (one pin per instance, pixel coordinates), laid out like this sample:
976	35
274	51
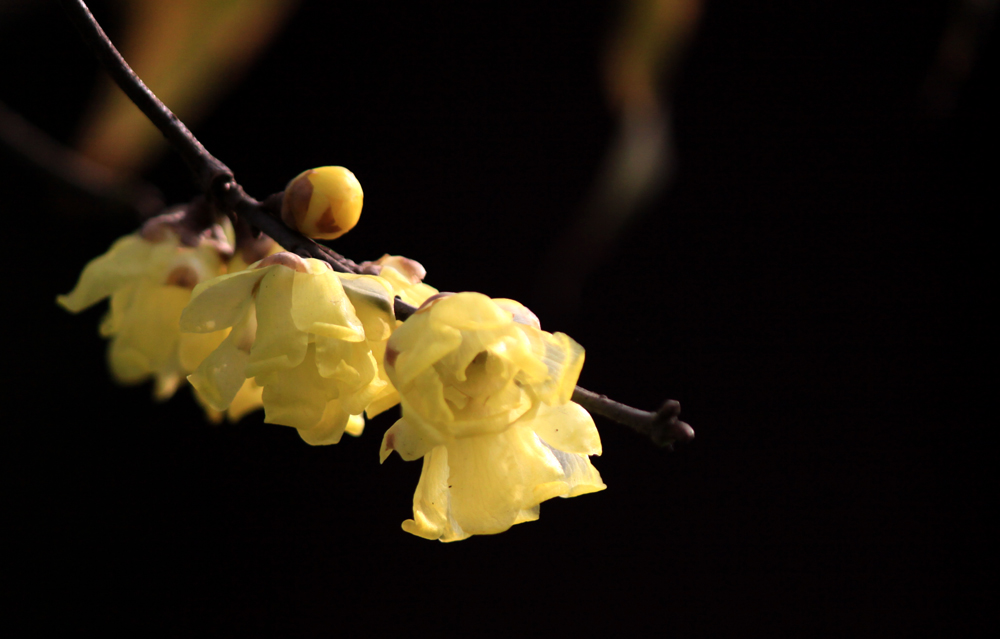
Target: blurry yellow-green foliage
188	52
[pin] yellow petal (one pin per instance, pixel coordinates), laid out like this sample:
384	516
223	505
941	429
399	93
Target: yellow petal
247	399
279	344
330	427
567	427
195	347
494	479
221	375
430	501
125	260
355	425
470	312
297	397
409	440
221	302
148	335
320	306
372	298
579	475
419	343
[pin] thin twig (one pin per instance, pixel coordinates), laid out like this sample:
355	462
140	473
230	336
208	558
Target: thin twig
217	182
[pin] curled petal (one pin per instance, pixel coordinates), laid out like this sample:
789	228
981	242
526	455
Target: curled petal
195	347
372	298
567	427
417	345
146	341
330	428
320	306
126	260
410	440
430	501
221	302
221	375
470	312
297	397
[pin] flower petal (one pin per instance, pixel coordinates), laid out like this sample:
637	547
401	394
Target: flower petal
320	306
330	427
221	375
147	339
430	501
409	440
494	479
125	260
279	344
297	397
567	427
221	302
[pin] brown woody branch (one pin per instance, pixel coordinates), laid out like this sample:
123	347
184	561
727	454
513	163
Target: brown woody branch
216	180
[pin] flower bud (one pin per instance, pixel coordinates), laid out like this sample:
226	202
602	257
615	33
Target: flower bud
323	203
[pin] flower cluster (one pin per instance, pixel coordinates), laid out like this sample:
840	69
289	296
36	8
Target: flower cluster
485	395
149	276
306	335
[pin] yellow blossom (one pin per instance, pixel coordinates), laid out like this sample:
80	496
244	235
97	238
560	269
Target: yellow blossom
148	277
485	397
295	331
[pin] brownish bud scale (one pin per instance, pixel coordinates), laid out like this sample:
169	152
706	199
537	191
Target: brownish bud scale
323	203
183	276
290	260
430	301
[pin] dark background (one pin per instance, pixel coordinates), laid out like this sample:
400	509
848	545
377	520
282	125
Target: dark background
812	289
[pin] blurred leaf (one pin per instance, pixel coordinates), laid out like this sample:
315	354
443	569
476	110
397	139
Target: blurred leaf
188	52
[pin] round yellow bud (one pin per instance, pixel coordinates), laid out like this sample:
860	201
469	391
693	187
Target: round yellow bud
323	203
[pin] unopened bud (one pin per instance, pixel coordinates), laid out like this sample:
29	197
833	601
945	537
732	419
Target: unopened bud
323	203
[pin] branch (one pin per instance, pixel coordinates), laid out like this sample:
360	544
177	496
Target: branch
221	188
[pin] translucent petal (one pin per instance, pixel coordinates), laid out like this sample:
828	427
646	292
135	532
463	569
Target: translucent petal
495	478
221	375
297	397
355	425
567	427
350	363
248	399
579	475
372	298
195	347
279	344
409	440
330	427
419	343
320	306
126	260
148	335
430	501
470	312
386	399
221	302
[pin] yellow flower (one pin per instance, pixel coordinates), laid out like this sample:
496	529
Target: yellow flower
485	397
149	276
295	330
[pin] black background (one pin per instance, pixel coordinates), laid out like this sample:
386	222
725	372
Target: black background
813	289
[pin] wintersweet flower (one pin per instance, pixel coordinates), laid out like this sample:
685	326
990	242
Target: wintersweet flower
486	403
295	331
148	277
